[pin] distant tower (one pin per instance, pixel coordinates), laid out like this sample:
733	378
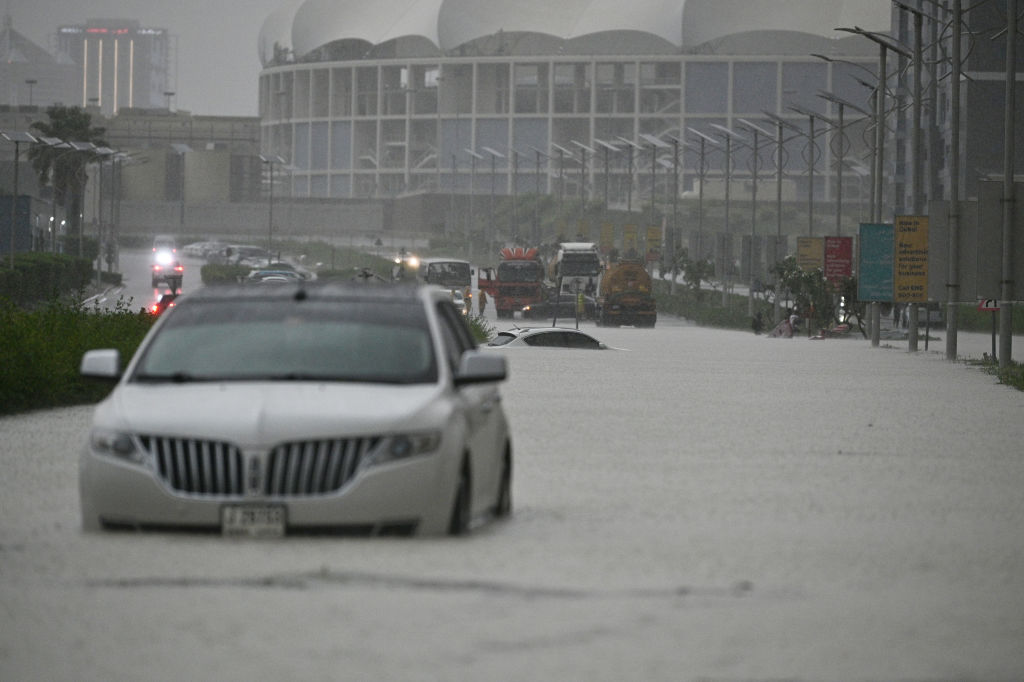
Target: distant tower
121	64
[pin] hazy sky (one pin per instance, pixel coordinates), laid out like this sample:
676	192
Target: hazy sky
217	64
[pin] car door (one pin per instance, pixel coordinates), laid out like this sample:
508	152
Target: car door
482	405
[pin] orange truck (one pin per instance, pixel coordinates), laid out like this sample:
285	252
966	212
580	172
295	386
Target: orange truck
517	282
625	296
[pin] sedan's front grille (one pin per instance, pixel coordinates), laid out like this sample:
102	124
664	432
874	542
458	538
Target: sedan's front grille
314	467
197	466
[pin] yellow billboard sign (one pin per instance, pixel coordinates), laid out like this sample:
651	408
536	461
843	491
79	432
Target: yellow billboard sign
910	259
810	253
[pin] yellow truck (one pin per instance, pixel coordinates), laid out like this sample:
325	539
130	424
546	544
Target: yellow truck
625	296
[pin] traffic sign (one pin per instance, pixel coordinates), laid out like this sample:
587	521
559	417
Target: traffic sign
988	304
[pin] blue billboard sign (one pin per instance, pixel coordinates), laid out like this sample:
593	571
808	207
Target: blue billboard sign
875	265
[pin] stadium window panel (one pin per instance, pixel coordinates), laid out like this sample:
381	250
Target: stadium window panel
706	91
754	86
801	83
318	146
341	145
301	157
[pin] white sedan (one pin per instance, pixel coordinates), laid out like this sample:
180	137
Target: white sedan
300	408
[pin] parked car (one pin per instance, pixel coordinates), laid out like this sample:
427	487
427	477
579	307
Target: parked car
300	408
545	337
562	306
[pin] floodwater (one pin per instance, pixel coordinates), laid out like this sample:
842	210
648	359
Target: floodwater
698	505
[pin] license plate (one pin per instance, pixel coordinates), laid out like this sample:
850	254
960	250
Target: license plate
253	520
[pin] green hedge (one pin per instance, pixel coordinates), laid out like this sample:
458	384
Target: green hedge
40	352
40	276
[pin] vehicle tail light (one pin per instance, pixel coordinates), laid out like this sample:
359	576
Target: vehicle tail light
179	268
154	309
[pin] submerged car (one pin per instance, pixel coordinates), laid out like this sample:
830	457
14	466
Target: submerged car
300	408
545	337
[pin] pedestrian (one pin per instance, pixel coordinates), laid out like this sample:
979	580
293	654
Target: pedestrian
757	323
482	302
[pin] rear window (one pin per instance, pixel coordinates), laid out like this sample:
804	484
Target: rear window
501	339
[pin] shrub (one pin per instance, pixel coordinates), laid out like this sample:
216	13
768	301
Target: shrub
40	351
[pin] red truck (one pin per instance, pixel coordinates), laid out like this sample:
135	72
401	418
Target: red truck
518	281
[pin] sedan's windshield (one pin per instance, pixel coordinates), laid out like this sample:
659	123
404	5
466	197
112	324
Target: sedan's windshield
288	340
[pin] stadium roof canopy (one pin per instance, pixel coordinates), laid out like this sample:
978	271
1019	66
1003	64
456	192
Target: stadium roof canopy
436	27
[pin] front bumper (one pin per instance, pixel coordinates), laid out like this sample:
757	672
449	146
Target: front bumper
414	495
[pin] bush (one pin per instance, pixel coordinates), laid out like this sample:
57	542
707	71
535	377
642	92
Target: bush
40	276
40	351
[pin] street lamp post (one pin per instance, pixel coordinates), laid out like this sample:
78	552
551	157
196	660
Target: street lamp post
583	177
270	160
489	232
18	138
608	147
630	147
473	158
702	170
884	45
181	149
841	105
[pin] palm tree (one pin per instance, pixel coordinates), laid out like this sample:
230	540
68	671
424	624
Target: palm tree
60	168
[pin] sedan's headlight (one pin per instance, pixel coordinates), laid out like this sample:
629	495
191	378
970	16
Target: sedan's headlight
405	445
115	444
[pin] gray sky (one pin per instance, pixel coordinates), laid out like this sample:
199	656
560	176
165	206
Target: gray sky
217	65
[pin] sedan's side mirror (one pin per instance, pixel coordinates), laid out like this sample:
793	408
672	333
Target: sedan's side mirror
101	364
477	367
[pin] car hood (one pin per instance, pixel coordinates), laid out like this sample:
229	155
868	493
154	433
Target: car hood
254	414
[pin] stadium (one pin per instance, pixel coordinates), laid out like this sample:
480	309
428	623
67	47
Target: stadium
598	99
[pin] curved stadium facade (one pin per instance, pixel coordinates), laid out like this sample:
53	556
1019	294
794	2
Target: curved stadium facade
395	97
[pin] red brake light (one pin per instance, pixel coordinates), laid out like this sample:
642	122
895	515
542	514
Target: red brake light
179	268
155	308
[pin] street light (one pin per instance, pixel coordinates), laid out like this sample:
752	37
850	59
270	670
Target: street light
17	138
841	105
884	45
474	157
270	160
630	147
489	232
102	154
181	149
608	147
702	171
583	176
728	135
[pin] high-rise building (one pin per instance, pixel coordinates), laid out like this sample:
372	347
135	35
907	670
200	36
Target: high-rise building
121	63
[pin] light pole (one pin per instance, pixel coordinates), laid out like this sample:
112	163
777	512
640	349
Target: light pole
583	177
270	160
181	149
630	147
884	45
489	232
702	172
31	83
562	153
102	154
608	147
473	158
841	105
18	138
